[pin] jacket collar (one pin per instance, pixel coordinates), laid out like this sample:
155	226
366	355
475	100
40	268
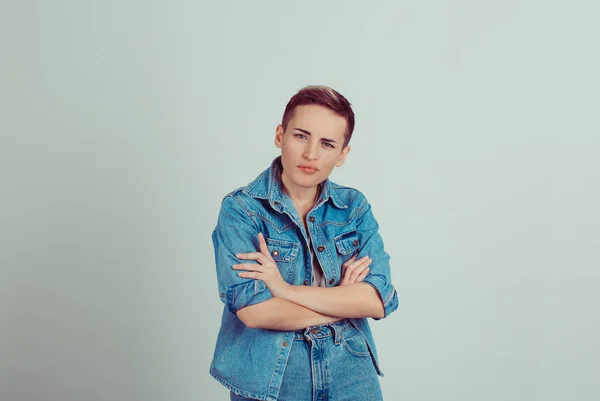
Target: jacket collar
268	185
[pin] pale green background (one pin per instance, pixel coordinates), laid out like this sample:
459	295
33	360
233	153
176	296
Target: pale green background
124	123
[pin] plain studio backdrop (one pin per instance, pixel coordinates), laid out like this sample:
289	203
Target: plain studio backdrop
124	123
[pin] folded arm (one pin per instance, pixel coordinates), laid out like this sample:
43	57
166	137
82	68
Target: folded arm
279	314
375	297
262	306
351	299
348	301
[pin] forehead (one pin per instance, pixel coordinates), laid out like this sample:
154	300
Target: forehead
319	120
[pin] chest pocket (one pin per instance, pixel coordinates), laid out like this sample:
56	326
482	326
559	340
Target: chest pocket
284	254
347	244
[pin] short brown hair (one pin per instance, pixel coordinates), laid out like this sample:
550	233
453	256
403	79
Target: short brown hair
322	96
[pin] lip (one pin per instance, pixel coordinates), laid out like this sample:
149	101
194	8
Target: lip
308	169
307	166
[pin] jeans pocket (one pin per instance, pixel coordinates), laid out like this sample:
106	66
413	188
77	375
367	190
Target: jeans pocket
355	342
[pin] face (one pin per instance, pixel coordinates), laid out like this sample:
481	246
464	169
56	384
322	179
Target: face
311	146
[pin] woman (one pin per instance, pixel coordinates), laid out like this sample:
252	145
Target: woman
300	268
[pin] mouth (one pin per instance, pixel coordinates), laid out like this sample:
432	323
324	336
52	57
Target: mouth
308	169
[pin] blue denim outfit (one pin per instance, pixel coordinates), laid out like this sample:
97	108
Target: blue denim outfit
252	362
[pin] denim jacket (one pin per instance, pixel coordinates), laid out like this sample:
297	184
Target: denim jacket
251	361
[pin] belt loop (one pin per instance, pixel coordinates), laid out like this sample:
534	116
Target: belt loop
336	334
307	336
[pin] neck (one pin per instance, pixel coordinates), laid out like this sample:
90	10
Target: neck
303	197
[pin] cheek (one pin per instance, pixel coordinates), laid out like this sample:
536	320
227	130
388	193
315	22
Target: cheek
289	149
287	159
326	170
330	163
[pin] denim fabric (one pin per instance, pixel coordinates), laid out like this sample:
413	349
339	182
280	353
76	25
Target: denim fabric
251	362
323	365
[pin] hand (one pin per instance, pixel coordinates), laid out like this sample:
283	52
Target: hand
354	271
266	270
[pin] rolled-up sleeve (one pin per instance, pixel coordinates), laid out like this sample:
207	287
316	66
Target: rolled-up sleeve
236	233
371	244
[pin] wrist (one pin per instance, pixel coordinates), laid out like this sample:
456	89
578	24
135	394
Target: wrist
283	291
287	292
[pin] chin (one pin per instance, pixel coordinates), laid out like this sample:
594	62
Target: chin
308	182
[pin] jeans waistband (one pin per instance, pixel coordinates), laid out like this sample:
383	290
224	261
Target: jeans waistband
323	331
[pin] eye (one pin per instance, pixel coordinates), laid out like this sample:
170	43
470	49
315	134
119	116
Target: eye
301	136
328	145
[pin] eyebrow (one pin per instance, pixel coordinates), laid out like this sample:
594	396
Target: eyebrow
308	133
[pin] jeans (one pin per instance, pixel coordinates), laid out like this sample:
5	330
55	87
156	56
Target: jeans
329	362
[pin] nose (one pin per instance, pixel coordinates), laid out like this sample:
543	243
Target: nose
310	151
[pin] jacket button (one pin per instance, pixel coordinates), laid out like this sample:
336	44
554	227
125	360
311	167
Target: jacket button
284	343
312	219
355	243
275	252
331	281
276	203
321	248
305	282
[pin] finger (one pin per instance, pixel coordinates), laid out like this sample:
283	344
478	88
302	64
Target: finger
348	277
352	259
250	256
362	275
343	273
365	260
359	269
255	267
263	245
359	261
254	275
348	263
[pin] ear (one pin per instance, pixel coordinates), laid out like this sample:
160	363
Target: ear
279	136
343	156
